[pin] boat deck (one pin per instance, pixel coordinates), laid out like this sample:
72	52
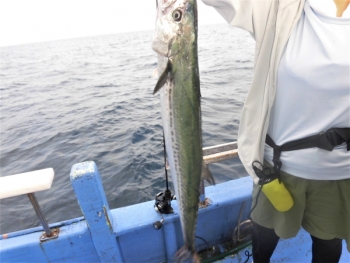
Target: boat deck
297	249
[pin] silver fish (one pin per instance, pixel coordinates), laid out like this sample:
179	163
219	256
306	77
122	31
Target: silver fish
175	41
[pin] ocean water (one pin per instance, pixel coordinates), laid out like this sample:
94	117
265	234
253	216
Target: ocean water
90	99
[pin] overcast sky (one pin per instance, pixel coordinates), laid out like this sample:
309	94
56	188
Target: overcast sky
28	21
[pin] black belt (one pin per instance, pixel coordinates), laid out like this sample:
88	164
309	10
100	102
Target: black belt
324	140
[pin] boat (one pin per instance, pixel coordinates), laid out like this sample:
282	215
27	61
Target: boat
140	233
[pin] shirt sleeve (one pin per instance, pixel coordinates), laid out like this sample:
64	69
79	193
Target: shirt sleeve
237	13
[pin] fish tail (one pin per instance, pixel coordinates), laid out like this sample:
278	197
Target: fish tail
185	254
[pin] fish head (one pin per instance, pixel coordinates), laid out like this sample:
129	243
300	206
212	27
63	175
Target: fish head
176	26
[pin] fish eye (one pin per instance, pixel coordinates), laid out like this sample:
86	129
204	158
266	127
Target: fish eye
177	15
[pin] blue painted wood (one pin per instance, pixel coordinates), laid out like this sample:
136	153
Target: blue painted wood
91	197
170	248
133	232
71	248
74	244
140	242
40	228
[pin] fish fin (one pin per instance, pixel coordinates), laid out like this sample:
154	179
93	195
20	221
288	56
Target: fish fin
163	78
155	74
186	255
206	174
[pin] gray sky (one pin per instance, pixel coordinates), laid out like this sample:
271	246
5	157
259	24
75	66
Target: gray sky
27	21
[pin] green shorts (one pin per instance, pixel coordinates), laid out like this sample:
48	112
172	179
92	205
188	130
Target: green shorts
322	208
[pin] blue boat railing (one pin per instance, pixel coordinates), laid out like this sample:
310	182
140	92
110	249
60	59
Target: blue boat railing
28	183
107	235
127	234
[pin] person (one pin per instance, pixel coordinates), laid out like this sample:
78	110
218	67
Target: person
296	118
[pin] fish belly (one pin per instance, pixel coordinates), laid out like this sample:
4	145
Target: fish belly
184	152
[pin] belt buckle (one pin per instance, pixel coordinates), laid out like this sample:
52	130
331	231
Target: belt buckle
334	138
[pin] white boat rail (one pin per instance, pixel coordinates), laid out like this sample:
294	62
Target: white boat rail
29	183
221	152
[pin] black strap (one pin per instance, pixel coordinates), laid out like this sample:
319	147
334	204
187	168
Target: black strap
324	140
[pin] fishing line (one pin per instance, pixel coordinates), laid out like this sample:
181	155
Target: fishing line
256	203
248	255
254	228
203	240
208	247
166	171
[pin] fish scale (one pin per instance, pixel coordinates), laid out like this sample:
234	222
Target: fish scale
175	41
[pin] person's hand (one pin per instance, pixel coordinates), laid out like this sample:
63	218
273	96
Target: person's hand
341	6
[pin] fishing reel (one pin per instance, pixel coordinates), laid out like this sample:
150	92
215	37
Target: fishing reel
163	206
163	202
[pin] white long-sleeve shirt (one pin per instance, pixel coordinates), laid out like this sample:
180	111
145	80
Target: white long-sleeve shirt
313	93
271	23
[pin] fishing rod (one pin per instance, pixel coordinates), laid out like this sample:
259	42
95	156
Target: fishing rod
163	199
166	171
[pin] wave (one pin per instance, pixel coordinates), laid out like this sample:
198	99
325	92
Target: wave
90	99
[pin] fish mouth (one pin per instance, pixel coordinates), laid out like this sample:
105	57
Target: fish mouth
164	48
161	47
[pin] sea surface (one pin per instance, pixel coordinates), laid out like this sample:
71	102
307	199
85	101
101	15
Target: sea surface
90	99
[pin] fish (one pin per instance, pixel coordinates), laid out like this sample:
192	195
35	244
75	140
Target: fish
175	41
